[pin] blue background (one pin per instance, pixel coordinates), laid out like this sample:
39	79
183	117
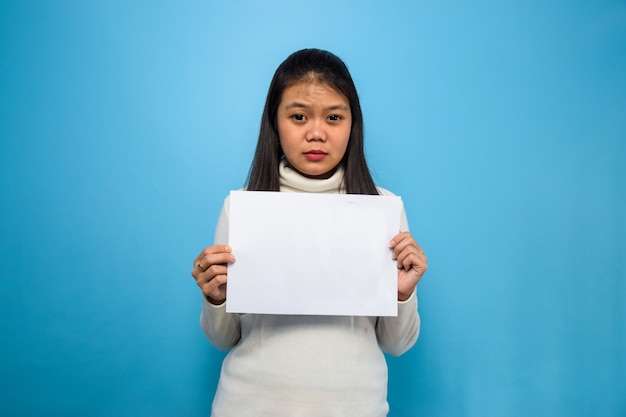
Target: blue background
124	124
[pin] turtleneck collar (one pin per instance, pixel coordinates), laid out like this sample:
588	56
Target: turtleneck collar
291	180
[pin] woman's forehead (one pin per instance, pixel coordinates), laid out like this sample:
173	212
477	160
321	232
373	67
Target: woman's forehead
312	90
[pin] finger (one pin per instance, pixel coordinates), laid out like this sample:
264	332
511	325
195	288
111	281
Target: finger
205	270
398	238
216	249
404	248
214	282
400	242
219	254
408	262
403	239
211	273
418	264
215	288
410	257
212	250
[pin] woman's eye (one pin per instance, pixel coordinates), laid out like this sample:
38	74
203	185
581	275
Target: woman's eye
298	117
334	118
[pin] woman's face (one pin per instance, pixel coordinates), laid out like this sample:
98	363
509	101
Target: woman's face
314	123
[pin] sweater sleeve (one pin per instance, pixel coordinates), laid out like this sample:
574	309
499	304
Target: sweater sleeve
398	334
221	328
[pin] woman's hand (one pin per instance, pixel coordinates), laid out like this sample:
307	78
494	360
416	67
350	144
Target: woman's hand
411	263
210	270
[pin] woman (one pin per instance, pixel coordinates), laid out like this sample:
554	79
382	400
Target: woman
311	140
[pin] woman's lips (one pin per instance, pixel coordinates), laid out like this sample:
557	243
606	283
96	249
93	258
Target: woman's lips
315	155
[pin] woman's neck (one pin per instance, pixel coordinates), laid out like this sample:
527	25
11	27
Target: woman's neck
292	180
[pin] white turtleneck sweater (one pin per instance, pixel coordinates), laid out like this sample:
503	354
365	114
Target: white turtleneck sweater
305	366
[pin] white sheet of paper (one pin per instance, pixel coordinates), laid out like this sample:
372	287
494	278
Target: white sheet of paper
314	254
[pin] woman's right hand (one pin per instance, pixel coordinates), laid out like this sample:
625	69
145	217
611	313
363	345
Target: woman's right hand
210	270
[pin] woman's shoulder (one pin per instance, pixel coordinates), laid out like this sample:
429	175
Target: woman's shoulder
384	191
226	203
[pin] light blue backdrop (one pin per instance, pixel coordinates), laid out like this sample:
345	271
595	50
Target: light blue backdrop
123	125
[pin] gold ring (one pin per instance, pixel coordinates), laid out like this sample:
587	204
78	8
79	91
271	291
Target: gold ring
200	266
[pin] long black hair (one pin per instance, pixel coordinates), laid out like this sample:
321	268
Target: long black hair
324	67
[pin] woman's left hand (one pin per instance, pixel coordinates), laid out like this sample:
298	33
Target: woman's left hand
411	262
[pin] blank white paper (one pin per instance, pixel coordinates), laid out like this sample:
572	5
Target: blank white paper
313	254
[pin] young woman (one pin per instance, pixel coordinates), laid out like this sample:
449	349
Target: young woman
311	140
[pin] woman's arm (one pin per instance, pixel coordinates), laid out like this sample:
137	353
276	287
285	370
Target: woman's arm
398	334
211	272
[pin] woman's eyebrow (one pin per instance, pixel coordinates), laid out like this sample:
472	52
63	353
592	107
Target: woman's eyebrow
298	105
295	104
338	107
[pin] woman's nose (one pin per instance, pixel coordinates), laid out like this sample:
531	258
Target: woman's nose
316	131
